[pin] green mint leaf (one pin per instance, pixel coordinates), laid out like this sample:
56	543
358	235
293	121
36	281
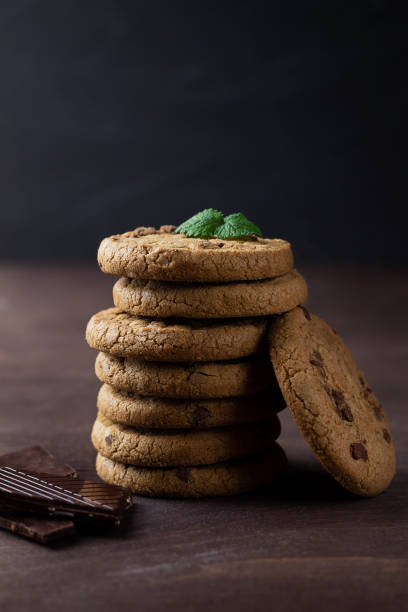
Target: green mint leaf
236	226
201	225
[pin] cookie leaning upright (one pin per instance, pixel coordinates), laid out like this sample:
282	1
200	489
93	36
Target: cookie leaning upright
148	253
332	403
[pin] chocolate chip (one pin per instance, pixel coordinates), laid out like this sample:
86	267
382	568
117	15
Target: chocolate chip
386	435
144	231
338	395
345	413
206	244
200	415
306	313
318	356
108	440
361	379
316	363
358	451
183	473
327	389
342	408
377	411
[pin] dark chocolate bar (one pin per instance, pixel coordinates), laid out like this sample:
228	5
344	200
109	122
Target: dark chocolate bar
61	497
43	530
38	529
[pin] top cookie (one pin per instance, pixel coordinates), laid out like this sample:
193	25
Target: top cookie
148	253
331	402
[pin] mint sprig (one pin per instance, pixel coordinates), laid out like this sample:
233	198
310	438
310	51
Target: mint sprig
237	226
201	225
211	223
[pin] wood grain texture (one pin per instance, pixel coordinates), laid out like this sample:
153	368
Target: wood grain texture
304	545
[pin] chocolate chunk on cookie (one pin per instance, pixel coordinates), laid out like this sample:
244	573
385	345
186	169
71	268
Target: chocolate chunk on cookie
146	253
124	335
212	300
331	402
226	478
163	448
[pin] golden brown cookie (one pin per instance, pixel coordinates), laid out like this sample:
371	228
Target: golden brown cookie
227	478
211	300
186	380
332	403
124	335
166	448
162	255
164	413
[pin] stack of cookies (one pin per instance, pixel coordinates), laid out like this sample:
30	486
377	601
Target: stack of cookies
189	402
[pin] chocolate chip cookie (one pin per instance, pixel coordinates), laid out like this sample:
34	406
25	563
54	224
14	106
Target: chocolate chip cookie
208	379
165	448
332	403
125	335
147	253
164	413
212	300
226	478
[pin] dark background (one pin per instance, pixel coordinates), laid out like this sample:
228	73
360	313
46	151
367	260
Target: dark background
116	113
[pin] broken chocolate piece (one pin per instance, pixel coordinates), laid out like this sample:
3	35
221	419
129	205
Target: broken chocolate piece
39	529
61	497
36	459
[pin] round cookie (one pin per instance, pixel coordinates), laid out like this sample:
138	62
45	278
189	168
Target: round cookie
226	478
148	253
164	413
166	448
218	300
331	402
124	335
185	380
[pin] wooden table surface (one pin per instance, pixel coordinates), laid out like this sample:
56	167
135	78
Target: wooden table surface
304	545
